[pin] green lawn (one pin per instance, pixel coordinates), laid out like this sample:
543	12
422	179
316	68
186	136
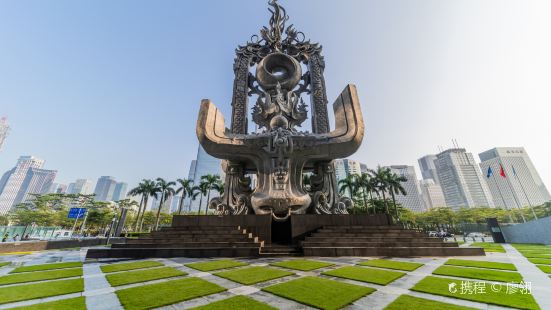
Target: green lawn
78	303
130	266
479	274
370	275
543	261
481	264
407	302
302	264
136	276
528	255
547	252
216	265
489	247
236	303
442	286
166	293
320	293
40	290
40	276
252	275
391	264
2	264
546	269
47	267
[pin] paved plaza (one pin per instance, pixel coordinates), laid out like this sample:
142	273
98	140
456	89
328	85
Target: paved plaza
99	293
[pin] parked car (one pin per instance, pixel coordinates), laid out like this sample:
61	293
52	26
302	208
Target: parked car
433	234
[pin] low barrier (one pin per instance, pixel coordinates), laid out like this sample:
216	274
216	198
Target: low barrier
27	246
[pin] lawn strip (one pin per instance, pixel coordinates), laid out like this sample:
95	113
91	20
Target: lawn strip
302	264
407	302
47	267
546	269
458	289
2	264
78	303
130	266
236	302
364	274
391	264
542	261
129	277
166	293
546	256
216	265
252	275
488	246
481	264
319	292
40	276
40	290
479	274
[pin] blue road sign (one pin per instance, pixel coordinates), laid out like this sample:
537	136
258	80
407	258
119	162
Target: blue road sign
75	213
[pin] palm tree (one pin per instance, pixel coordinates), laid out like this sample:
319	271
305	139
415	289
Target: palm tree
202	191
185	188
210	182
364	181
381	176
166	190
146	188
138	190
395	187
195	191
348	184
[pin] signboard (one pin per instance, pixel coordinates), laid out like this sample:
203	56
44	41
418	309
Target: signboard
76	213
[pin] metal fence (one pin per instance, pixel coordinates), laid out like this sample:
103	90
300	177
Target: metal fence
8	233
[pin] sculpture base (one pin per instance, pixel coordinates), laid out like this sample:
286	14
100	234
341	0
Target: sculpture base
308	235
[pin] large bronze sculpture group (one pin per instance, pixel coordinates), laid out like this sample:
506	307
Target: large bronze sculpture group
286	67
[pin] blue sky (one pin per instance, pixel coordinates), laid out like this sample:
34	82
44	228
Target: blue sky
113	87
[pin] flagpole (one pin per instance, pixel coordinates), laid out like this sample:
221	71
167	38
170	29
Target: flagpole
500	194
512	192
523	191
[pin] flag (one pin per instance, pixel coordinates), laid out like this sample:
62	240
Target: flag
501	171
490	172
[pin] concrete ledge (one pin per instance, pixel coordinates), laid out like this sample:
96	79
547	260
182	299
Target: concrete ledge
392	251
165	253
26	246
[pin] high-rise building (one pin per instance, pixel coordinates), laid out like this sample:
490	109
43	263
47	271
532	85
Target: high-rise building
80	186
461	180
120	191
433	197
4	130
26	177
203	165
363	168
412	200
58	188
345	167
428	168
512	178
105	187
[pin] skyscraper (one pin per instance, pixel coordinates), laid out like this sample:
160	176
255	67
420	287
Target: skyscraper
433	197
512	178
4	130
203	165
428	168
345	167
105	187
120	191
80	186
461	180
412	200
26	177
58	188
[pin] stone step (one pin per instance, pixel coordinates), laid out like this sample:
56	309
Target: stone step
372	239
378	244
176	244
362	226
378	234
197	232
190	239
173	252
210	227
367	231
392	251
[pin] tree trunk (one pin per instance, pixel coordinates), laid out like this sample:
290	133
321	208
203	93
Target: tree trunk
386	205
365	201
200	203
159	211
395	208
372	205
181	203
138	216
208	199
143	211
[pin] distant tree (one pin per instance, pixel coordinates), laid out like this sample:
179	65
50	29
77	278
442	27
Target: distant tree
166	190
381	182
348	184
210	182
185	189
394	182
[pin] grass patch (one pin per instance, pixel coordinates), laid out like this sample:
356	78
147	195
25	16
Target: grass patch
130	266
542	261
237	302
320	293
40	290
391	264
481	264
252	275
40	276
442	286
370	275
129	277
489	247
478	273
407	302
19	253
546	269
78	303
2	264
166	293
302	264
529	255
216	265
47	267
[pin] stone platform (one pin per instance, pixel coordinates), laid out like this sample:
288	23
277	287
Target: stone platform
308	235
